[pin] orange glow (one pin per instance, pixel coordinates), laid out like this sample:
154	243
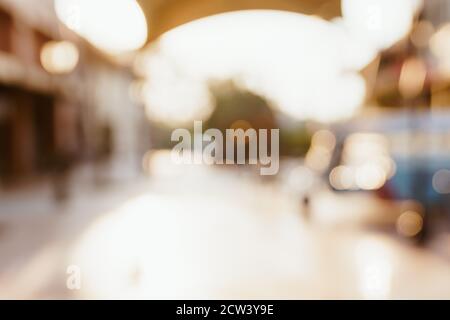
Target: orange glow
412	77
59	57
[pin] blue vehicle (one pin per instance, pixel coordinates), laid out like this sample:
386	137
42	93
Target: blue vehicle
403	155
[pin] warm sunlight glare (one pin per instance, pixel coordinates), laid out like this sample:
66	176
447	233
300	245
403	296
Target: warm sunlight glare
305	65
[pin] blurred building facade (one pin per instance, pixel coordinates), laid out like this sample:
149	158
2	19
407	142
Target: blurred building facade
438	12
410	73
50	120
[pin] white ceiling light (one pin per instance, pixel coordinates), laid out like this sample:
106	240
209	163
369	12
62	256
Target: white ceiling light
114	26
382	22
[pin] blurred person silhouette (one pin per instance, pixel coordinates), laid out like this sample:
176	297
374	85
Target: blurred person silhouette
62	162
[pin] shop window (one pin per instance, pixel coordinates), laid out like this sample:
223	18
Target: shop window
6	26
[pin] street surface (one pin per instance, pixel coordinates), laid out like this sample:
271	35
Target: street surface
209	233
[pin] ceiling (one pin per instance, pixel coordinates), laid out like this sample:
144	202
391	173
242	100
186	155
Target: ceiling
163	15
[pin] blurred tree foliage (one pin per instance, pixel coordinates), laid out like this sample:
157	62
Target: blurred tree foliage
239	108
